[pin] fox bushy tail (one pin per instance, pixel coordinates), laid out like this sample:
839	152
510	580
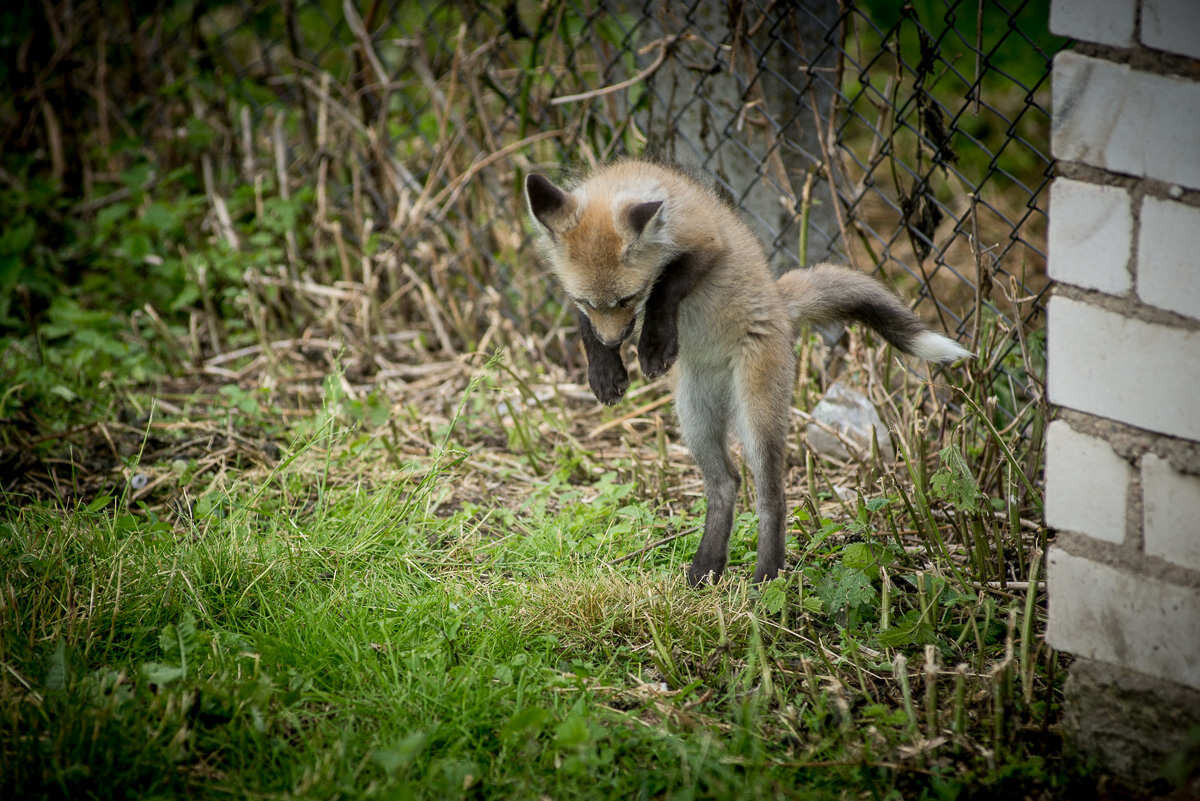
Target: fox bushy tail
828	293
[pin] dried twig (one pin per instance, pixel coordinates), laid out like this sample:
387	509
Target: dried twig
280	148
662	44
355	23
455	186
638	412
224	221
653	545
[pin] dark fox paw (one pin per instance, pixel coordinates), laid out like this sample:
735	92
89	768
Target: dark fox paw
608	380
763	574
657	351
699	573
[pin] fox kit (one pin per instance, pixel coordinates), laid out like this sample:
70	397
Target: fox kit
642	239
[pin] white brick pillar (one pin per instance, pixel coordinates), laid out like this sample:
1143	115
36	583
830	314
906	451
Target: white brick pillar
1123	354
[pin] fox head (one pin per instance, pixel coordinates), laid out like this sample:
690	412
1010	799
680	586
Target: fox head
606	248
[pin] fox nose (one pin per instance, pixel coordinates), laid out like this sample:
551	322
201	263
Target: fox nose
612	343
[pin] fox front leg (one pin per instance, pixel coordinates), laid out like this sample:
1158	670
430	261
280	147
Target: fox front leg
606	372
658	346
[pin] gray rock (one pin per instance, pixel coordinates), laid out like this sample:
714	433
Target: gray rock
852	415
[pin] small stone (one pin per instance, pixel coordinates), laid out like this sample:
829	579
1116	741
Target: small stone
844	492
853	416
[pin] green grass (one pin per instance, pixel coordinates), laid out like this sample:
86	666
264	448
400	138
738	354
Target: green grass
343	626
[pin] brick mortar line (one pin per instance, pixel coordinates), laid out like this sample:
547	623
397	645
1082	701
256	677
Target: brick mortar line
1135	235
1135	511
1116	687
1148	187
1142	58
1132	443
1127	305
1126	558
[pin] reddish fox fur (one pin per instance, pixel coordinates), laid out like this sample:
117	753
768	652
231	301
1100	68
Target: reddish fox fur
637	238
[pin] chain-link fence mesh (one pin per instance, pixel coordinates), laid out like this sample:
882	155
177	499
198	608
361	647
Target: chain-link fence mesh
389	138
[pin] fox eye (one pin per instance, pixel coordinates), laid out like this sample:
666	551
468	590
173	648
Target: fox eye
625	301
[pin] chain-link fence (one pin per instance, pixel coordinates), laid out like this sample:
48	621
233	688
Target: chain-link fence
908	140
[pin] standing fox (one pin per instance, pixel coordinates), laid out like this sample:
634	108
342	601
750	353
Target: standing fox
641	238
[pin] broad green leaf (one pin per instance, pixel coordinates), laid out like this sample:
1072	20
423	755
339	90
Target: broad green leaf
528	722
573	731
774	597
953	482
56	674
158	673
400	754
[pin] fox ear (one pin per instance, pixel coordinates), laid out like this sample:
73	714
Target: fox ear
640	215
547	203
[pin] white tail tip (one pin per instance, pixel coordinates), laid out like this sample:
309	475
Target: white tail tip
937	348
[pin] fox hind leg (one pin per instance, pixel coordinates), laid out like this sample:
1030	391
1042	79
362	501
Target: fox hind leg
703	403
763	401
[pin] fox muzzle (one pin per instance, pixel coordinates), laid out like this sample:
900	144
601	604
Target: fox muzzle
612	329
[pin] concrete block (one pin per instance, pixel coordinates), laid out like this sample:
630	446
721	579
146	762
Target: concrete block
1172	25
1086	483
1107	22
1117	616
1107	364
1169	255
1171	512
1120	119
1129	722
1091	235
